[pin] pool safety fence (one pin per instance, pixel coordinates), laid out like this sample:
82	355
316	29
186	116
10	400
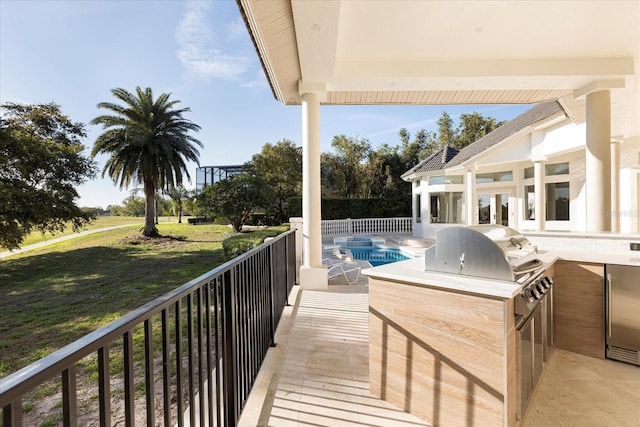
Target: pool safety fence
345	227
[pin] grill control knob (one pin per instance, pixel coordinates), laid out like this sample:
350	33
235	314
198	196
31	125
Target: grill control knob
540	287
544	283
548	280
527	296
535	294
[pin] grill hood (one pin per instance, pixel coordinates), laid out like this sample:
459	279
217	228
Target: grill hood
488	251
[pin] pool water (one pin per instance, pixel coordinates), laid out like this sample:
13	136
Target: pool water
377	255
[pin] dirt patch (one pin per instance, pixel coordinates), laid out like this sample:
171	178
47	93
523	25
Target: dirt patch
159	242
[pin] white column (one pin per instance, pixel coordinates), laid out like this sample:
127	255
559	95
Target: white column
598	161
615	186
538	189
312	274
471	180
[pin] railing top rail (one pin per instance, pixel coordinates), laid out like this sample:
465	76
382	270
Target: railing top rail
30	376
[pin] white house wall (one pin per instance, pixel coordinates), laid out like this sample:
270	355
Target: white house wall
516	150
563	138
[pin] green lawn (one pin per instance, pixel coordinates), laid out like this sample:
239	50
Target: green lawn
100	222
53	295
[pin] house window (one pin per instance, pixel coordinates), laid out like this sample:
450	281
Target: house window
530	200
448	179
447	207
436	180
528	173
557	201
556	169
418	208
483	178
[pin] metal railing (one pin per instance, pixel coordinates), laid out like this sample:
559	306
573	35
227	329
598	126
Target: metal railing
189	357
343	227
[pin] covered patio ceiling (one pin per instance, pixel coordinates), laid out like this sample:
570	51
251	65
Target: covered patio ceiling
452	52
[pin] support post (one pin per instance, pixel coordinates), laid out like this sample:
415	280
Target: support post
471	177
312	274
598	161
538	189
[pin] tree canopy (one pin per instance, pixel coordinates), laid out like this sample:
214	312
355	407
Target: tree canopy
149	142
355	170
342	171
232	199
41	164
279	169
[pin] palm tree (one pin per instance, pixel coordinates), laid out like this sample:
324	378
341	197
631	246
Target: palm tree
178	197
149	143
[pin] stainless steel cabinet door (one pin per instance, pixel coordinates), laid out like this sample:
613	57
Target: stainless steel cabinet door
623	298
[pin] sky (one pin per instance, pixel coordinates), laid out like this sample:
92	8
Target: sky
75	52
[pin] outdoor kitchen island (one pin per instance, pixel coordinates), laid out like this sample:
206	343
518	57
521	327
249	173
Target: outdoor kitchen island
443	347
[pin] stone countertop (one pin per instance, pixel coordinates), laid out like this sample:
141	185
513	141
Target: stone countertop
413	271
631	258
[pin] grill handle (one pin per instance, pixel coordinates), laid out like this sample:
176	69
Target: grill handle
608	305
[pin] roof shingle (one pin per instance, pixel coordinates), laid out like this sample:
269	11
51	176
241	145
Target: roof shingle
450	156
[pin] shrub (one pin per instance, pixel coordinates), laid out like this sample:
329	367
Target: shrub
240	243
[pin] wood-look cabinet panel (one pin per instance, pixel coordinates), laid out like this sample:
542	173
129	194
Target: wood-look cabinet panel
579	307
441	355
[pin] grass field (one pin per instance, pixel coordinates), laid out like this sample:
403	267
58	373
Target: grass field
100	222
53	295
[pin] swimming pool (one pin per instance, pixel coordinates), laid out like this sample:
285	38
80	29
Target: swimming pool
372	249
378	255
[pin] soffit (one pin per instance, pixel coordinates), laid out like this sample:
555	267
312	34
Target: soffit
444	52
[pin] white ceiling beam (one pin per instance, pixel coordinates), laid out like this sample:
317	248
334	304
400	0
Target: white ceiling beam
598	85
459	83
346	69
316	25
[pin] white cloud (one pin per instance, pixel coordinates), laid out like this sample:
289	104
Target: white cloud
198	50
260	81
236	29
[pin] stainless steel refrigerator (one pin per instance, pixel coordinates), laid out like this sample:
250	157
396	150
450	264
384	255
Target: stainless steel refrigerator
623	313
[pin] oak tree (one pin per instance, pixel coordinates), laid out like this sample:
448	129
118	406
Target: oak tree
41	165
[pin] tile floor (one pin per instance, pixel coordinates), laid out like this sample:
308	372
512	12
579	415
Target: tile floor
580	391
317	375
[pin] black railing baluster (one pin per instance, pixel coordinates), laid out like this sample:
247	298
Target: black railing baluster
241	320
129	386
272	312
218	287
243	344
201	373
149	374
12	414
255	339
230	361
207	302
179	371
69	398
166	372
104	386
192	385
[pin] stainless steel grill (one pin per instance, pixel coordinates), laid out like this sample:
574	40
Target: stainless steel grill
501	253
491	252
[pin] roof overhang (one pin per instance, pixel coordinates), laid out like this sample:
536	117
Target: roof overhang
444	52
